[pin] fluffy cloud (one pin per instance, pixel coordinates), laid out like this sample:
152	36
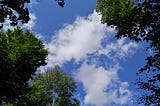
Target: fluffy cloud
6	25
86	36
28	25
33	4
88	41
31	23
118	49
77	40
102	86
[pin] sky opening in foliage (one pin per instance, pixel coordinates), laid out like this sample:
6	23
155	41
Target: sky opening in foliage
103	67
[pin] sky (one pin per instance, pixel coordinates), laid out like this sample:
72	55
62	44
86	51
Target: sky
103	67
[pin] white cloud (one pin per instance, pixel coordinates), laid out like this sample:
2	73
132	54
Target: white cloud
102	86
32	3
28	25
77	40
87	38
118	49
31	23
6	25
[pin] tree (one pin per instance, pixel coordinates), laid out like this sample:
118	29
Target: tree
16	10
61	3
11	8
37	95
52	87
21	53
138	21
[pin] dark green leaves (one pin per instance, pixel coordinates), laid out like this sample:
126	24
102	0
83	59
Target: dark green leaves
16	11
112	10
21	53
138	22
52	87
11	8
61	3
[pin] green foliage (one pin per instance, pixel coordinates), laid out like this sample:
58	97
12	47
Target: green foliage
21	54
7	104
52	86
138	22
16	10
37	96
113	10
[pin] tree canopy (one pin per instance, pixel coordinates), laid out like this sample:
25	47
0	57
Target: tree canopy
138	21
17	10
54	87
21	54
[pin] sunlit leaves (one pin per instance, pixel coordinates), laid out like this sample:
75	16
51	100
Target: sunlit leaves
138	22
112	10
21	54
52	87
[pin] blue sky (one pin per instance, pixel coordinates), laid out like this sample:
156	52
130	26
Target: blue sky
103	67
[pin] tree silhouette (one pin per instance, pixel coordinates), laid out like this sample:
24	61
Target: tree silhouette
54	87
21	53
14	10
138	21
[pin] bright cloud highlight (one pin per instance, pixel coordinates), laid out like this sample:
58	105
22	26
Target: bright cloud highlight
31	23
77	40
86	41
28	25
102	86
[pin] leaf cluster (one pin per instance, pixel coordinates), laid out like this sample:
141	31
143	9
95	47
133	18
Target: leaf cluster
149	80
52	87
138	22
61	3
14	10
21	54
